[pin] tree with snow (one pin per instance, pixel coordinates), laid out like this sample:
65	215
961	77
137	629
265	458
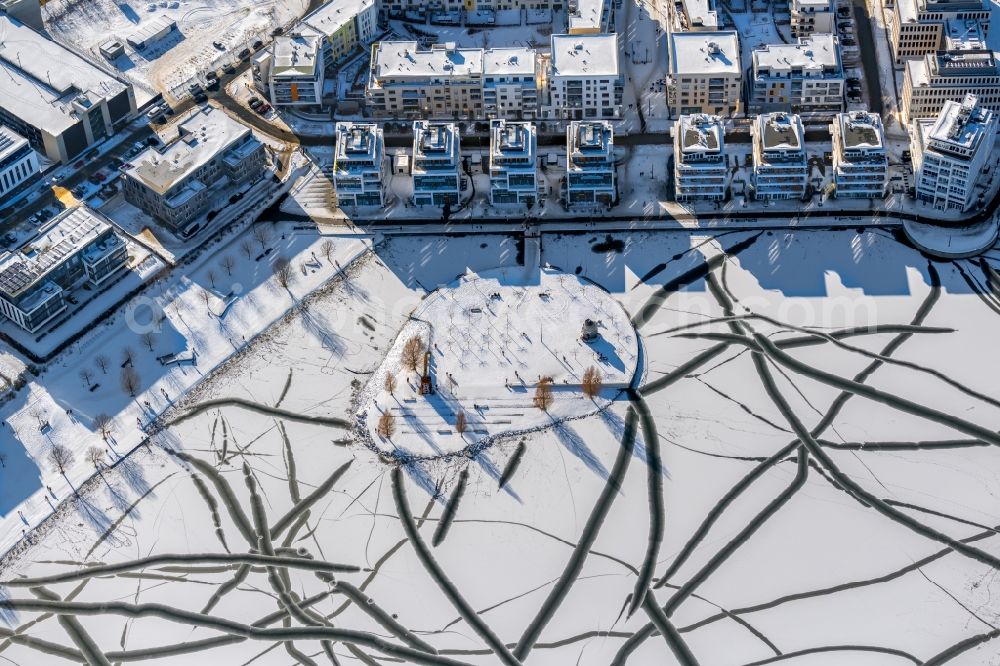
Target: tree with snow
327	248
95	455
412	350
592	382
61	458
386	425
390	383
102	423
543	394
283	273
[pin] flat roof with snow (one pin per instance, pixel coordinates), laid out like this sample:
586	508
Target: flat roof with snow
818	52
585	55
10	142
358	144
295	55
700	133
961	126
701	13
400	60
861	130
44	83
331	16
705	52
509	61
779	132
963	35
588	17
202	136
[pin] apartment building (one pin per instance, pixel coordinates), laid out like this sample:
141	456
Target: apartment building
917	27
359	165
432	7
697	15
77	246
510	83
806	77
408	81
860	163
297	71
590	164
701	172
60	102
812	16
437	164
704	73
951	154
513	163
18	162
780	167
584	77
589	17
178	181
948	76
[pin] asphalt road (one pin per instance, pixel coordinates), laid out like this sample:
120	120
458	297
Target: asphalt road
869	56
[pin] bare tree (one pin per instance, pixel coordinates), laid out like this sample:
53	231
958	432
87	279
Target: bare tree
3	459
246	247
327	248
86	374
227	263
592	382
128	356
102	423
148	339
206	298
129	381
102	362
261	234
390	383
283	273
210	274
61	458
543	394
412	350
386	425
460	423
95	455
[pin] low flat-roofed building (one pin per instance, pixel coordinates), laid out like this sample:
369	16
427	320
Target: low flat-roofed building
437	163
701	172
359	165
60	102
587	17
18	161
949	75
584	77
77	245
699	15
297	71
811	16
860	162
804	77
406	80
510	83
591	178
513	163
704	73
151	31
951	152
178	181
780	167
917	27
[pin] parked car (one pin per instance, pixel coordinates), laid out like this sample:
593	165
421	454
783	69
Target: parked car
219	45
254	103
200	97
244	54
847	41
258	45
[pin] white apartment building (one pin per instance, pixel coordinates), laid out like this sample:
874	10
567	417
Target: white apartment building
590	164
780	168
513	163
437	164
297	71
704	73
587	17
700	169
18	162
696	15
408	81
951	153
510	83
584	77
949	75
860	163
812	16
805	77
917	27
359	165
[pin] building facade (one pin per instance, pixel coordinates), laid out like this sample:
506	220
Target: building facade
812	16
79	245
704	74
806	77
437	164
591	179
359	165
952	152
701	172
177	182
780	166
584	77
949	76
510	83
917	27
860	162
18	162
407	81
297	71
513	163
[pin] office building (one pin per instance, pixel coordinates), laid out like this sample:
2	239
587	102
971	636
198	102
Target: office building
590	165
917	27
704	73
437	164
806	77
780	168
18	162
513	163
860	163
701	172
359	165
178	181
584	77
949	76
